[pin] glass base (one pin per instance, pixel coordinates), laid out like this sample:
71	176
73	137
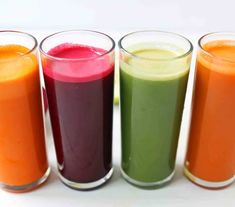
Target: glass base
152	185
86	186
207	184
25	188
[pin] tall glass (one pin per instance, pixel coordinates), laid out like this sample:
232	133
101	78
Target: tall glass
210	159
78	69
154	68
23	160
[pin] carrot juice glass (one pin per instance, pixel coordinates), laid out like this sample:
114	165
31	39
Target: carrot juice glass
23	160
210	159
78	68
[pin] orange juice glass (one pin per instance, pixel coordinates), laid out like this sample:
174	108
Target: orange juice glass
210	159
23	160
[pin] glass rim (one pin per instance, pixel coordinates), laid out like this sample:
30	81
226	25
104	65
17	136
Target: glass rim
210	54
26	35
76	59
185	54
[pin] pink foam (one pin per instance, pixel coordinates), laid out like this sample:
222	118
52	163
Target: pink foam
77	63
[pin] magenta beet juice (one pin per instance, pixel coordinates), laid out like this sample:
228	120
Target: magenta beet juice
79	85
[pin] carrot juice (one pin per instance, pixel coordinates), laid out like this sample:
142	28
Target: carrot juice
210	159
23	161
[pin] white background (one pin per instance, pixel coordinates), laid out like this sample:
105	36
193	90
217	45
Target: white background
190	18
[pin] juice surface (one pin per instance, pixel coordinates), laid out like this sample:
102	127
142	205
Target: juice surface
152	99
80	96
211	147
22	145
79	66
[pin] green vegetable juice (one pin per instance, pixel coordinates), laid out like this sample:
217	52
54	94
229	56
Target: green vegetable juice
153	84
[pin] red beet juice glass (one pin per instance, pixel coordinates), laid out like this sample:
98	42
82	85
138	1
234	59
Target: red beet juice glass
78	68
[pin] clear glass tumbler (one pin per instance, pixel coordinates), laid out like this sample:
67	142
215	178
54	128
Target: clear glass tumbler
154	68
78	69
210	159
23	160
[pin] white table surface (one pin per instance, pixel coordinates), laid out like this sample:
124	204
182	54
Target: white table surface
118	193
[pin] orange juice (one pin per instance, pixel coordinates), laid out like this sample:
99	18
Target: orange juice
23	161
210	159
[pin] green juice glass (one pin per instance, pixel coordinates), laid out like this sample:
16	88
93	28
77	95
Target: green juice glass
154	69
